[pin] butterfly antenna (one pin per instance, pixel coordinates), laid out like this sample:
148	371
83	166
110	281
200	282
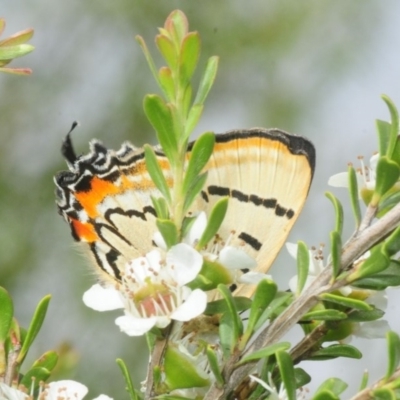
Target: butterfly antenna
67	149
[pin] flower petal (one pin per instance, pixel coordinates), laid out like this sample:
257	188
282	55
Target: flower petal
292	249
159	240
372	329
9	393
233	258
339	180
154	259
133	326
184	262
197	229
252	277
103	397
102	299
378	299
194	306
65	389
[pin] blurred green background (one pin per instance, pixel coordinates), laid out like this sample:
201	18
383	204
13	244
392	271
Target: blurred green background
311	67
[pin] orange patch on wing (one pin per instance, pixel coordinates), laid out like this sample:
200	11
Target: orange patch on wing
99	190
84	231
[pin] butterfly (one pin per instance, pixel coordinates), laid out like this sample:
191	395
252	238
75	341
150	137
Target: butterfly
106	196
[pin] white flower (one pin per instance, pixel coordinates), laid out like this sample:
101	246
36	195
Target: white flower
153	291
366	176
315	267
64	390
220	251
373	329
59	390
274	393
9	393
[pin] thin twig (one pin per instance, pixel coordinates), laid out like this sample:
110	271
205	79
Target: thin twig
155	360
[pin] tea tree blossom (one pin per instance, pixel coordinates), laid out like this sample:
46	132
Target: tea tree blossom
153	291
59	390
366	175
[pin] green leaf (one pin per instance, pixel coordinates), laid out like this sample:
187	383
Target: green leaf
18	38
156	173
177	25
388	202
333	385
380	281
393	346
263	296
353	192
265	352
194	190
199	156
226	335
207	80
384	128
396	152
214	365
324	315
180	371
325	395
161	207
282	299
338	212
302	378
185	107
169	231
214	222
6	315
235	320
383	394
33	377
363	316
34	327
392	243
285	365
364	381
11	52
394	125
128	380
303	263
336	252
189	56
211	275
149	59
220	306
336	350
193	119
168	50
387	174
160	116
48	361
378	261
347	302
167	82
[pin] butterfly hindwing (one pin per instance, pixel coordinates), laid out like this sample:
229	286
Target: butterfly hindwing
105	197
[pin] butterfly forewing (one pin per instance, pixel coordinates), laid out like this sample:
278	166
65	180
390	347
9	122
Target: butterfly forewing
267	175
